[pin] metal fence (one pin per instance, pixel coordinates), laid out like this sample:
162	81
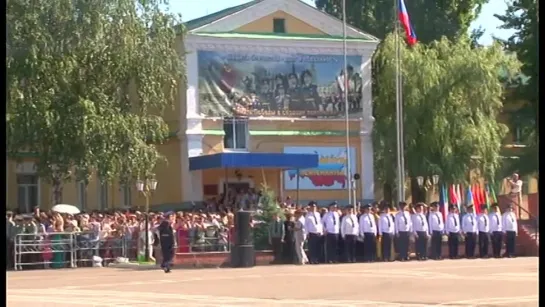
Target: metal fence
82	249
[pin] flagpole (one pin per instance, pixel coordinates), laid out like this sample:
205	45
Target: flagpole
346	119
399	110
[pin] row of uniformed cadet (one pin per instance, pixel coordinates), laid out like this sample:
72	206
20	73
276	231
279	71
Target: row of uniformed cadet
359	234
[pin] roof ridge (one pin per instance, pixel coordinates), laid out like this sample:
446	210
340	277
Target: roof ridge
204	20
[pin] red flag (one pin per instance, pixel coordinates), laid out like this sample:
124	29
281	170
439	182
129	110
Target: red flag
406	23
452	195
476	198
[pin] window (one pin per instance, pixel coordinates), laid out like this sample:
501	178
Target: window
126	199
236	133
27	192
279	25
82	194
103	195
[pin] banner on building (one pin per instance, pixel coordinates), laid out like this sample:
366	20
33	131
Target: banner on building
294	85
331	173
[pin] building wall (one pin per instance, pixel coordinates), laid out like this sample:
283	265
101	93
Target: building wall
293	25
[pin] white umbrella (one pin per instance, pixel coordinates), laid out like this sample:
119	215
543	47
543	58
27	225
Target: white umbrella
64	208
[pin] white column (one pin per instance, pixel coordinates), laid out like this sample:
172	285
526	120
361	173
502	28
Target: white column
366	129
191	135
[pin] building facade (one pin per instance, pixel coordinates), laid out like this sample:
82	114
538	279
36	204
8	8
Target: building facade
266	76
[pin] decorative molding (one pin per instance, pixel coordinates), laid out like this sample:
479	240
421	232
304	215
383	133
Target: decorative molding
302	11
26	168
292	46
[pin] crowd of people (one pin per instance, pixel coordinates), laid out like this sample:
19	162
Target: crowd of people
384	233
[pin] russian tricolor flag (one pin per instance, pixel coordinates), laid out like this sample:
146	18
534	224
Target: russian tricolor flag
406	22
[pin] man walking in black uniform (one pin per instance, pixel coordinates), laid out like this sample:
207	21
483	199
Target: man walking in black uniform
166	237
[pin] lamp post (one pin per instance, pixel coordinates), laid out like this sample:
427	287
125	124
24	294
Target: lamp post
434	183
146	188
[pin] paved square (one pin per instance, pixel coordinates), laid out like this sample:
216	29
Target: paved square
492	282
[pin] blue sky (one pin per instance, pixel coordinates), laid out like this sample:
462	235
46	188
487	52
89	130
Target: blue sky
191	9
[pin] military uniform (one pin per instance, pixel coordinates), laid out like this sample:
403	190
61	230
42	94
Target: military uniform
166	237
368	230
437	228
510	228
452	228
496	230
403	228
421	231
349	233
471	231
386	230
484	232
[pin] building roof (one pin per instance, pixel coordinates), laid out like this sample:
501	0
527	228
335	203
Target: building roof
279	36
201	21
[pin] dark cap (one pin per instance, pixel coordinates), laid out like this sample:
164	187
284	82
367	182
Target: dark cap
452	207
333	204
420	205
312	203
483	207
469	206
434	204
367	206
402	204
494	205
348	207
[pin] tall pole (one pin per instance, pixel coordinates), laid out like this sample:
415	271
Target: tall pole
146	223
399	110
346	119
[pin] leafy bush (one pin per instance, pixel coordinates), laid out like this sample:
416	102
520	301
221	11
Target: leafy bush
268	207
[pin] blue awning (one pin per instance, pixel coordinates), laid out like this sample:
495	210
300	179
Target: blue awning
254	160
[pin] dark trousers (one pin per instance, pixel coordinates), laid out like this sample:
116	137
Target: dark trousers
496	243
314	247
331	241
421	244
350	248
436	242
471	237
276	244
510	241
403	244
453	242
341	250
167	253
288	253
483	244
359	250
369	247
386	245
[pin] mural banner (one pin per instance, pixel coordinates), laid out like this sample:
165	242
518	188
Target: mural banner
293	85
331	173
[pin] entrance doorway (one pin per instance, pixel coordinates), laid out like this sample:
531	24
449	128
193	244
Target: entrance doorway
236	186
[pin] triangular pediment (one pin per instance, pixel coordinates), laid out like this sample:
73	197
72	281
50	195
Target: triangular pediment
255	14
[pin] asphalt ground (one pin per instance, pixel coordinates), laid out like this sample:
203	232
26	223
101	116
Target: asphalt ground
490	282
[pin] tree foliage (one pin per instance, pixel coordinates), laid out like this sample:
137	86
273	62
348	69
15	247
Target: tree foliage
522	16
87	82
452	95
268	208
431	19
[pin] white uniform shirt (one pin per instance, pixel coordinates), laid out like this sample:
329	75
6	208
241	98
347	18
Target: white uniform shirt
436	222
453	223
313	223
386	224
350	225
403	222
469	223
368	224
332	222
516	186
420	224
510	222
484	223
496	221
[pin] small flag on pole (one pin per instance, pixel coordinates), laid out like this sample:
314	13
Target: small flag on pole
406	23
487	196
443	201
493	197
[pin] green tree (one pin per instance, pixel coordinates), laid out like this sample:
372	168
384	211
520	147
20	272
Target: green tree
431	19
269	207
87	82
522	16
452	96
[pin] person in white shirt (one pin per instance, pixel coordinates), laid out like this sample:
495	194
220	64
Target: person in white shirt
496	230
386	230
403	229
421	232
368	230
452	228
349	232
332	229
484	231
300	237
470	230
515	184
510	228
437	228
314	229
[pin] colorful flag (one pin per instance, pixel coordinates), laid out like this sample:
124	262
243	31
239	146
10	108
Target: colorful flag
406	22
487	197
443	201
493	197
459	198
469	197
452	195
